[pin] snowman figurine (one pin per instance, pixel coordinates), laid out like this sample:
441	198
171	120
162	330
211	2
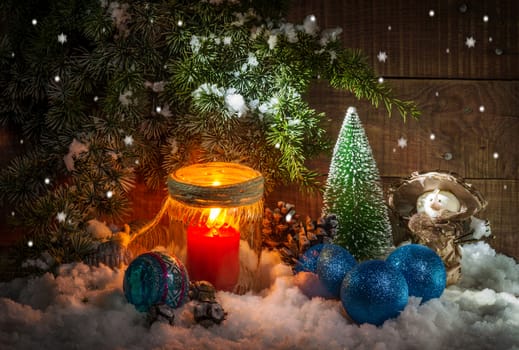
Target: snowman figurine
438	204
437	209
431	226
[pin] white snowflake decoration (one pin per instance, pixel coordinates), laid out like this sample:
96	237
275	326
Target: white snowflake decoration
165	111
382	56
470	42
61	216
128	140
402	142
62	38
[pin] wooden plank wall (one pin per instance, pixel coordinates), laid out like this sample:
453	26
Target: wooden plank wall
469	97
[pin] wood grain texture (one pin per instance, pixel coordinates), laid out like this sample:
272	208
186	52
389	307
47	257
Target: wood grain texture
502	211
451	113
419	45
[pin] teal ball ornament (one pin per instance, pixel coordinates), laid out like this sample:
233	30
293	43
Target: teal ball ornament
422	268
332	265
373	292
156	278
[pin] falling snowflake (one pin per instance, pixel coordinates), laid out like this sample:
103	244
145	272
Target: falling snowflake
128	140
62	38
402	142
382	56
61	216
470	42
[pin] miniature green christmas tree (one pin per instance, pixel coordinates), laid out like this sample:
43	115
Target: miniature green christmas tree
353	192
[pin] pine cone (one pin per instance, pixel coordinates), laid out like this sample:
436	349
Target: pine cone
285	232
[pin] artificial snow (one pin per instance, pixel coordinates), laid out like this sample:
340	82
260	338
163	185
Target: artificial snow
74	149
235	103
98	230
84	307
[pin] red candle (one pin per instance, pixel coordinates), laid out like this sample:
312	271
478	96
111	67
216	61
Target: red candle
213	255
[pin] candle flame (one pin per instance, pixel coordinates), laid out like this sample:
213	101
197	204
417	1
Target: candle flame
216	218
213	214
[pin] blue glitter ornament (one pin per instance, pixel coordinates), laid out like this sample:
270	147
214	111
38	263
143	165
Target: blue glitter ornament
308	261
422	268
156	278
373	292
332	265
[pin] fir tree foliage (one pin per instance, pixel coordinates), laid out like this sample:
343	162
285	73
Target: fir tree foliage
144	87
353	192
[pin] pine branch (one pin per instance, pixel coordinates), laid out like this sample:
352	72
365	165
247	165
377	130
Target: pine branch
351	72
151	86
